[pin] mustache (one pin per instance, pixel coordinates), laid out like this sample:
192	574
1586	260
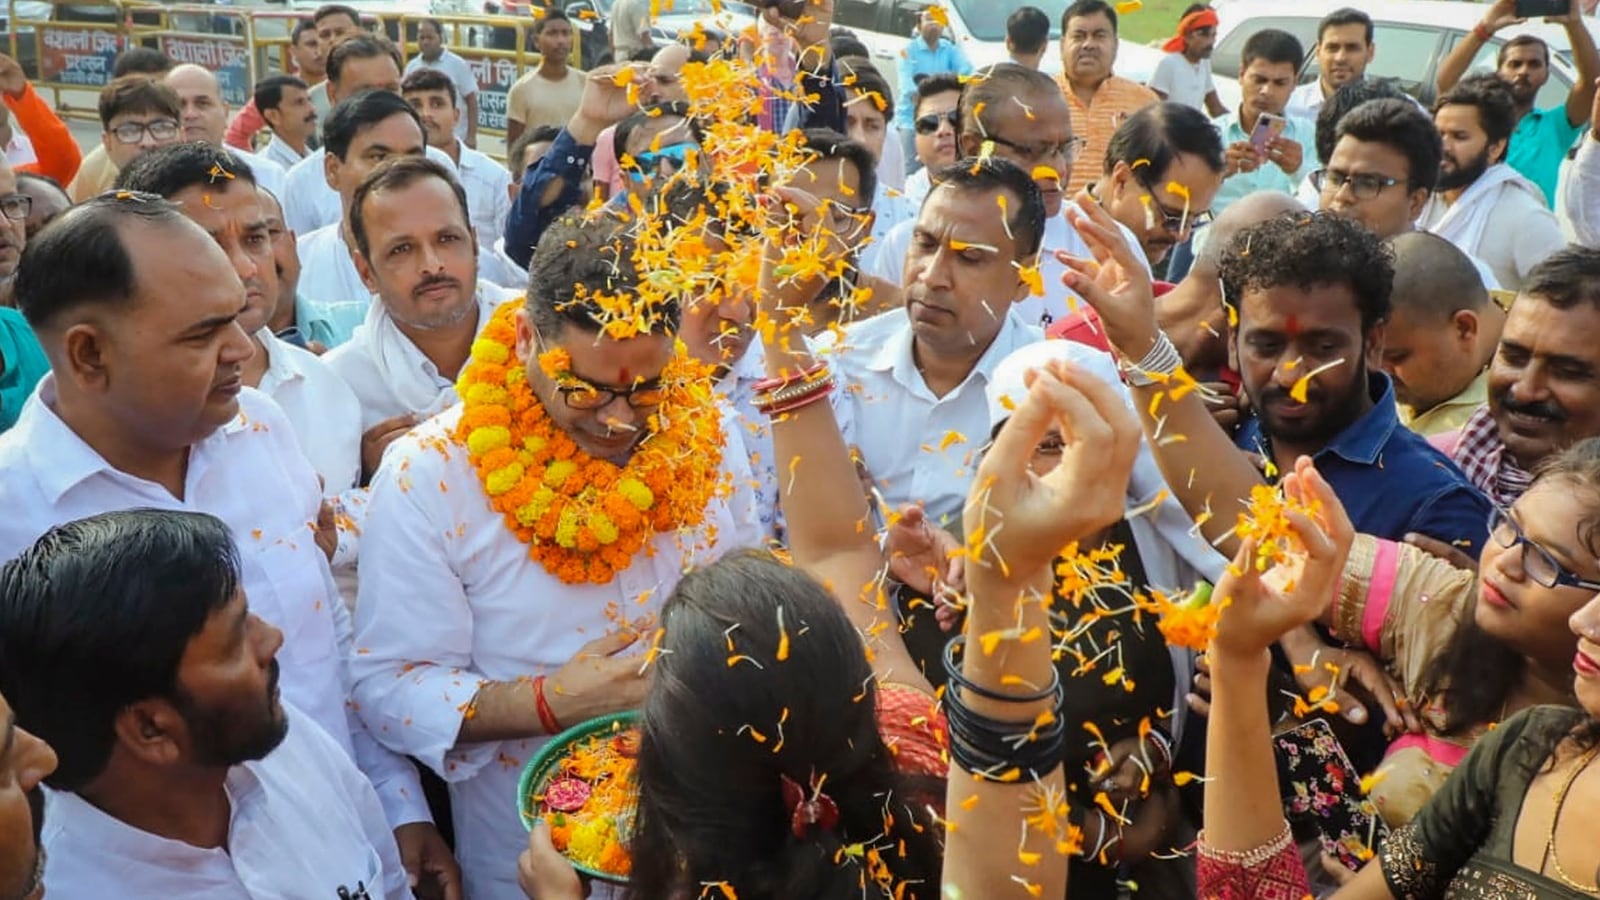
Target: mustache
1274	394
434	281
1543	409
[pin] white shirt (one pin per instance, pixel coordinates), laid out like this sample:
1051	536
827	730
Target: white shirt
268	174
309	203
461	75
1522	233
918	184
1183	81
19	150
303	823
891	209
251	474
450	598
889	264
279	151
1306	101
1580	192
487	185
389	374
901	427
322	409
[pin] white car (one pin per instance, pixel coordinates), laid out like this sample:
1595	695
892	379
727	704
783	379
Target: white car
1413	37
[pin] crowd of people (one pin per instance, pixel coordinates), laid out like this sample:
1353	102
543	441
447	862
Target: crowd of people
1004	484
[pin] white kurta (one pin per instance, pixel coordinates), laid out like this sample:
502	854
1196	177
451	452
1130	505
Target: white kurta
323	410
889	263
389	374
304	823
449	598
279	151
487	185
268	174
252	475
900	426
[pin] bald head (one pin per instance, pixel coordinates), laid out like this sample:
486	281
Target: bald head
205	116
1433	278
1241	214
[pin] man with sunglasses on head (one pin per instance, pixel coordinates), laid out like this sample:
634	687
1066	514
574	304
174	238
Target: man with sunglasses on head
1018	114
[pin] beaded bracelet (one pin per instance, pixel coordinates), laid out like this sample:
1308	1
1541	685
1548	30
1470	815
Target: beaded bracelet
1249	859
812	373
793	397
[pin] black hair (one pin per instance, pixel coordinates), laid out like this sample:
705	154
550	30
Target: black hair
579	257
1350	95
547	15
1521	40
165	171
711	806
269	91
825	143
300	28
335	9
95	616
1345	16
994	86
438	26
426	79
1497	108
992	175
80	259
843	42
933	86
650	113
1160	133
1566	278
529	137
392	175
1028	29
1089	8
1309	249
1400	125
864	78
360	46
140	61
1274	46
138	94
353	115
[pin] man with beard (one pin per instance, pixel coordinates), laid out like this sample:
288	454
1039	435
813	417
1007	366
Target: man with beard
1542	136
1098	100
1482	205
127	642
145	406
1156	148
1344	49
1184	74
1441	336
417	254
1311	293
1543	394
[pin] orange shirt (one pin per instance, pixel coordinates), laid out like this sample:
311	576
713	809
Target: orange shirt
1115	100
53	142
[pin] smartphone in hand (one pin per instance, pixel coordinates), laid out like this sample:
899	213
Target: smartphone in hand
1268	127
1528	9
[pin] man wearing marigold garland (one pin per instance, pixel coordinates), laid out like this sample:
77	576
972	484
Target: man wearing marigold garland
518	544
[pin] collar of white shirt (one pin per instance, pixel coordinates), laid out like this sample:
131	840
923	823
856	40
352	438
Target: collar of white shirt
893	351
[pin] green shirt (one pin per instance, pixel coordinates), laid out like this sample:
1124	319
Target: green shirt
24	363
1538	146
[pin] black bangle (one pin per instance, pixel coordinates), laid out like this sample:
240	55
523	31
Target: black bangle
957	679
985	746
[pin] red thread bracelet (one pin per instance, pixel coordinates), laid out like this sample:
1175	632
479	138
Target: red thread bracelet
772	384
547	719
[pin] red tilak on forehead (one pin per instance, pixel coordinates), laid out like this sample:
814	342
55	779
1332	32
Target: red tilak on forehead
1292	326
623	377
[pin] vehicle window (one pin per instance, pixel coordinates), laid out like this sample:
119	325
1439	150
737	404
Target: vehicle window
1225	58
861	14
1554	92
1406	56
986	19
905	17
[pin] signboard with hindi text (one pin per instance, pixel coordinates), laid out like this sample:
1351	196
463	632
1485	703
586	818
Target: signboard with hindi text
225	55
495	75
77	54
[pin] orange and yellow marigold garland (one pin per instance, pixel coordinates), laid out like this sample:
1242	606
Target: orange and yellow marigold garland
585	519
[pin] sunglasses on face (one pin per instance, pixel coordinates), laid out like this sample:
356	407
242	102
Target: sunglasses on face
930	123
650	161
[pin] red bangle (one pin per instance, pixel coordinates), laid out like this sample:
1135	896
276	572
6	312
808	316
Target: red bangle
773	384
1484	34
547	719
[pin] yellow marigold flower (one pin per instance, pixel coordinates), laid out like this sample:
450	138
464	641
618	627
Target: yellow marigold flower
534	443
634	491
605	530
502	480
490	352
492	437
558	472
567	528
486	394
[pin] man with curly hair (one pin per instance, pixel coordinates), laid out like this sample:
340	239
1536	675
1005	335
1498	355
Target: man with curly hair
1310	297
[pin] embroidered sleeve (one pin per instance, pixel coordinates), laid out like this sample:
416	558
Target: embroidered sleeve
1272	871
1407	870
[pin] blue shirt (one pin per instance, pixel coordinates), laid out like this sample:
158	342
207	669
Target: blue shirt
920	59
1391	481
1538	146
24	362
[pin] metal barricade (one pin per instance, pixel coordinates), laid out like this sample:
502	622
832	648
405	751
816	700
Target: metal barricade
69	53
218	38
